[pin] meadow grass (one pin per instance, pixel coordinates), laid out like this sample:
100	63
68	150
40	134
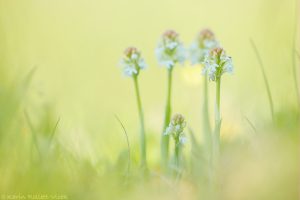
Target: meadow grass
262	163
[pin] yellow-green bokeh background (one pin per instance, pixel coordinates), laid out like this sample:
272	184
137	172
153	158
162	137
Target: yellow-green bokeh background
76	46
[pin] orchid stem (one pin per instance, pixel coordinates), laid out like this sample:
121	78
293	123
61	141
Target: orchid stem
206	121
165	138
142	125
177	149
216	140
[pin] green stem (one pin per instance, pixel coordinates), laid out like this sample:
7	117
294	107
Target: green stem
165	138
216	140
142	124
177	149
206	121
216	143
207	131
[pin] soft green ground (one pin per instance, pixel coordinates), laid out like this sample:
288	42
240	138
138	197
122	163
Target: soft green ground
74	47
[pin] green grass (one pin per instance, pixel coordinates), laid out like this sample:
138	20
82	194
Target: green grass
34	161
40	154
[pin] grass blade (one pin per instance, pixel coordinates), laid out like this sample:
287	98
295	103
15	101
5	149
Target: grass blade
127	140
34	137
195	144
53	132
264	76
251	124
27	80
294	64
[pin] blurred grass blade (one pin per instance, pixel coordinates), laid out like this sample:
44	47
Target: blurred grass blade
53	132
295	53
28	78
127	140
34	135
294	48
251	124
193	138
264	76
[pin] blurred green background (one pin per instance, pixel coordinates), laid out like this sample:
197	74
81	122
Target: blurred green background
76	46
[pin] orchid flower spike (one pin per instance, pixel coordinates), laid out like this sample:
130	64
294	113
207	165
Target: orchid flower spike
217	62
170	50
200	48
132	62
176	128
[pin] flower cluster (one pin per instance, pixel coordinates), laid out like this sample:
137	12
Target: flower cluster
205	50
132	62
170	50
202	45
217	63
176	128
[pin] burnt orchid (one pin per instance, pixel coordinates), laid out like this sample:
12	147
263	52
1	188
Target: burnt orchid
217	63
169	52
204	42
200	48
176	130
132	63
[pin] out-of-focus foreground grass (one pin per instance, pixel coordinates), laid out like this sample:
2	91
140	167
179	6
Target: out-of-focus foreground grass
60	89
